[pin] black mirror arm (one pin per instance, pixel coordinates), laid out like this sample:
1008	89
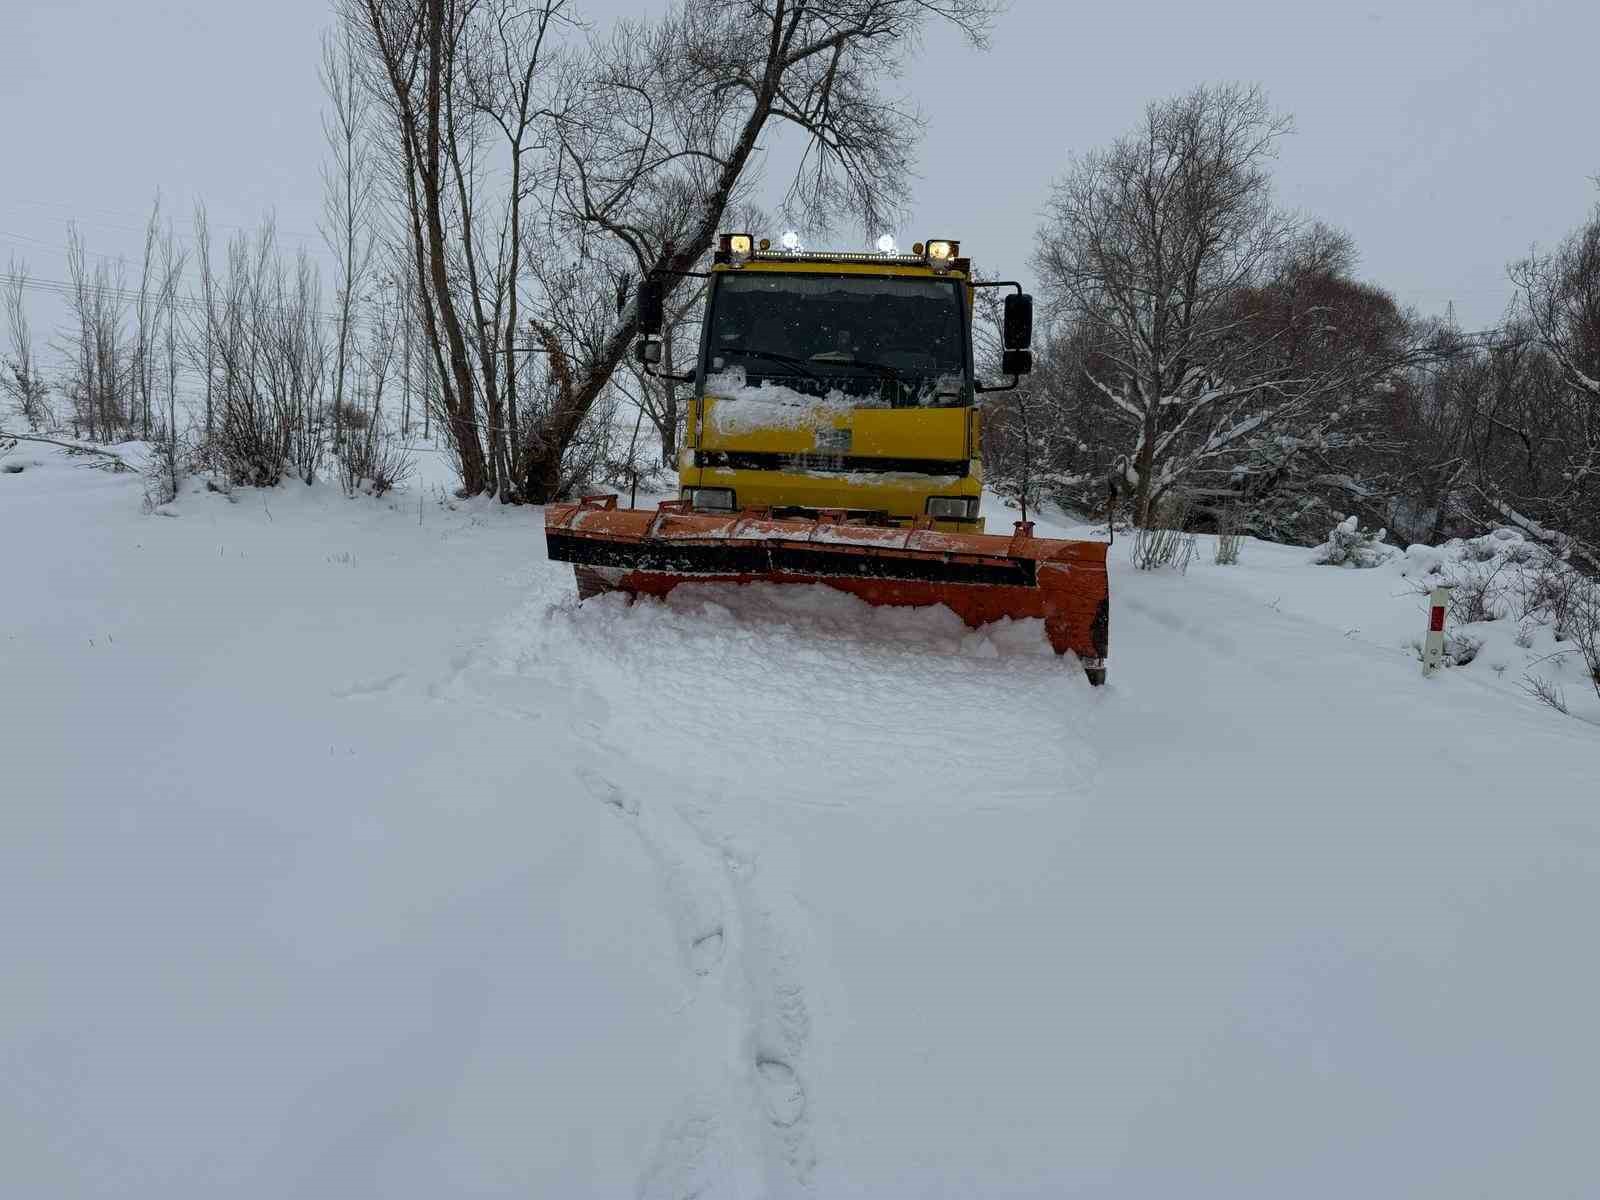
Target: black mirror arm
1016	382
1010	283
663	375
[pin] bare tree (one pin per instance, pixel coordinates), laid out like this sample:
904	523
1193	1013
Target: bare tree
96	344
167	464
350	194
20	379
411	53
147	308
1147	244
1515	412
657	395
405	281
506	92
574	314
670	119
202	340
270	345
1215	343
1559	294
368	453
160	271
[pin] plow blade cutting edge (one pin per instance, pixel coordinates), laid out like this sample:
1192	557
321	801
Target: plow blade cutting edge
980	577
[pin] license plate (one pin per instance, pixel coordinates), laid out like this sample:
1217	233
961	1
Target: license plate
833	441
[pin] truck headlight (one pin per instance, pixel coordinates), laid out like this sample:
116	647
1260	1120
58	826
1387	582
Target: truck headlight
720	499
953	508
737	246
941	253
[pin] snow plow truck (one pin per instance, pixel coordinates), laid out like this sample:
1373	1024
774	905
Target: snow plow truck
834	437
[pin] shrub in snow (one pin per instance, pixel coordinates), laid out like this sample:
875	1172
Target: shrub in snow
1546	692
1479	594
1350	545
1162	542
1230	537
1459	648
372	458
1583	630
1158	547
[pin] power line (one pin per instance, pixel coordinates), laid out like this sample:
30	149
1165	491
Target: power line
189	267
322	257
192	304
71	211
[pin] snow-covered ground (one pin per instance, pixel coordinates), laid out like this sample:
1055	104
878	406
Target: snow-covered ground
342	853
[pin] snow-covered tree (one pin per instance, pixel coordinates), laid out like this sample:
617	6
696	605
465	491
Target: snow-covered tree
1191	300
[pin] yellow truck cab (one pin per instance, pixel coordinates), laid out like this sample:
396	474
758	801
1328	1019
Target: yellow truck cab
834	400
838	383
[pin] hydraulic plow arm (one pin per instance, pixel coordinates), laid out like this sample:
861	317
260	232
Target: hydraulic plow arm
981	577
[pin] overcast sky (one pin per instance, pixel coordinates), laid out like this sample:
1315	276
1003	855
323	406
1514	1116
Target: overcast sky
1445	135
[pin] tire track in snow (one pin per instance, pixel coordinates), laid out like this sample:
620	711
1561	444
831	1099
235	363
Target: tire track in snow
710	1146
725	927
698	1152
690	721
777	1014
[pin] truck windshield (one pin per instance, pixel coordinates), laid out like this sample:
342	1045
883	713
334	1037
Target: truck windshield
879	341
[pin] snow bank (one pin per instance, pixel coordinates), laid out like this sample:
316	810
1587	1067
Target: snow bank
1518	613
283	920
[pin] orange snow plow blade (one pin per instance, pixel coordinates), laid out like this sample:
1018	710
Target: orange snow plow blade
980	577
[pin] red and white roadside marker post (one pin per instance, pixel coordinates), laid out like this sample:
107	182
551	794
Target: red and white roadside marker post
1433	647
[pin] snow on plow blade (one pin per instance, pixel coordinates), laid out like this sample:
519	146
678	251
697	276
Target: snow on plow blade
980	577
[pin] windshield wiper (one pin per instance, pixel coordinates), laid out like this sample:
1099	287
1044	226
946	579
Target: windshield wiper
751	352
840	359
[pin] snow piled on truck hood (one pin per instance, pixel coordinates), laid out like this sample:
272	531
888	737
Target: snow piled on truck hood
741	408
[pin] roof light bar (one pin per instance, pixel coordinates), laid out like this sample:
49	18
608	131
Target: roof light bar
850	256
941	254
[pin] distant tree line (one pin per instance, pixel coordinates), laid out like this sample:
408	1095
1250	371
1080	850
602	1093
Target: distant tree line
1204	349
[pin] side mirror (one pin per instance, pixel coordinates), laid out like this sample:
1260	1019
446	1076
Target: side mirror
1018	323
1016	362
647	352
652	298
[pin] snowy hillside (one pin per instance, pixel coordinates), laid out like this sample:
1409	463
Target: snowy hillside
345	855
